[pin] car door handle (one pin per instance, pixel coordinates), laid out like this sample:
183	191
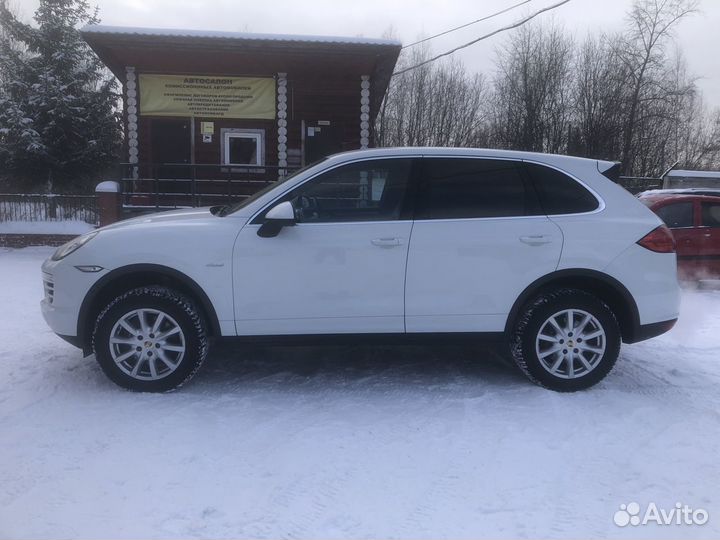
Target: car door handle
536	240
386	242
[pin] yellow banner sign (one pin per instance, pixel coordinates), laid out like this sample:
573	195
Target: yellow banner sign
207	96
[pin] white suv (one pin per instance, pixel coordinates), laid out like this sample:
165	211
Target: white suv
542	251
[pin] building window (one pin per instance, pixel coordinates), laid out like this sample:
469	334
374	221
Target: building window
243	147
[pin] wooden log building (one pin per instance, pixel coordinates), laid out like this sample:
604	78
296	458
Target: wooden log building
211	115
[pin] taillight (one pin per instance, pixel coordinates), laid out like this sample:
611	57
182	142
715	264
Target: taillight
659	240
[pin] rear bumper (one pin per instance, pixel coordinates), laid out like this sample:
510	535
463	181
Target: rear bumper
651	280
649	331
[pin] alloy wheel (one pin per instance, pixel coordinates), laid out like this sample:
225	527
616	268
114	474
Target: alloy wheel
570	343
147	344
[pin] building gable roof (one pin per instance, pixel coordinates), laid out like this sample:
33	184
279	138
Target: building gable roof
241	53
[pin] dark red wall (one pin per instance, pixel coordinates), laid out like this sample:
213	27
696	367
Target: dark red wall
311	96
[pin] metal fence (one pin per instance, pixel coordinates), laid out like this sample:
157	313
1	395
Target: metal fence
33	207
636	184
173	185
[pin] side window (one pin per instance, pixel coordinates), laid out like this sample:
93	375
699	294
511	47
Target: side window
364	191
677	216
711	214
558	193
457	188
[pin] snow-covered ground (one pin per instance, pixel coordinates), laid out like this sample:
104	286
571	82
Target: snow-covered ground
333	442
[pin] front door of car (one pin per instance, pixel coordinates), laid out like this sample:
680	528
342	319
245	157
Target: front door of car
478	240
341	267
710	230
679	216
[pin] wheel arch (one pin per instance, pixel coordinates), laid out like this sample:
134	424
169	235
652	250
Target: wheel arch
602	285
137	275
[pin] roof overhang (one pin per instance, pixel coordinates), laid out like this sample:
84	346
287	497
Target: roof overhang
229	53
693	174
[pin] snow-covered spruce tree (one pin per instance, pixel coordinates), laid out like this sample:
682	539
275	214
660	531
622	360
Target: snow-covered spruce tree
59	123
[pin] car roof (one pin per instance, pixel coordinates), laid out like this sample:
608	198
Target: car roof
680	191
678	197
468	152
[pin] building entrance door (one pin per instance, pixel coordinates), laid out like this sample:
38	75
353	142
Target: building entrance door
321	139
170	143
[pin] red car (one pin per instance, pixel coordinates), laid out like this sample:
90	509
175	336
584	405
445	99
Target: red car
694	220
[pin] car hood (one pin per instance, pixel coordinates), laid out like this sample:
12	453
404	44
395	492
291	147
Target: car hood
172	216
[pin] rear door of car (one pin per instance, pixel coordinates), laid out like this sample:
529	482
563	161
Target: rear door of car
710	230
479	238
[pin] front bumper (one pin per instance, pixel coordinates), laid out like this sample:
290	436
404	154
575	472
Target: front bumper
76	341
61	320
65	288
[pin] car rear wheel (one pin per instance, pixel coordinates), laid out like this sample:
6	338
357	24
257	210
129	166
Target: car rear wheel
150	339
566	340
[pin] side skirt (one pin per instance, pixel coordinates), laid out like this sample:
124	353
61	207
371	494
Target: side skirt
446	338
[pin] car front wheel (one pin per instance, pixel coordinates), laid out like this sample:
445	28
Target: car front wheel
150	339
566	340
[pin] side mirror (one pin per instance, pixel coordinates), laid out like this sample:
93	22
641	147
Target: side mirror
279	216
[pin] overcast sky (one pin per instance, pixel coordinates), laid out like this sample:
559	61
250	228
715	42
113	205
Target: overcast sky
698	36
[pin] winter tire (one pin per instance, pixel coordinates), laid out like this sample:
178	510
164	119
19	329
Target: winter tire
150	339
566	340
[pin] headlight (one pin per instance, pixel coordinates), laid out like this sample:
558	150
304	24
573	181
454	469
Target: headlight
73	245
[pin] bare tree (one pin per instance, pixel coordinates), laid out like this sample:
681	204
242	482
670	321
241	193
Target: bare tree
530	106
650	25
618	96
599	96
435	104
693	134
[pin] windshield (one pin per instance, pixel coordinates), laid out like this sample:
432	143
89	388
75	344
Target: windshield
255	196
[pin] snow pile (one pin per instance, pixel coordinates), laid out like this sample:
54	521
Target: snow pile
45	227
351	442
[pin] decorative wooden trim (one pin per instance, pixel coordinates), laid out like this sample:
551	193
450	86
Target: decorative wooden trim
282	122
132	116
364	111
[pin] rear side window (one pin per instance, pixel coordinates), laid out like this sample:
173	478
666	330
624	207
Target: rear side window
711	214
558	193
458	188
677	215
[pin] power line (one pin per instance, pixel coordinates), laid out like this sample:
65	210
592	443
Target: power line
468	24
486	36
